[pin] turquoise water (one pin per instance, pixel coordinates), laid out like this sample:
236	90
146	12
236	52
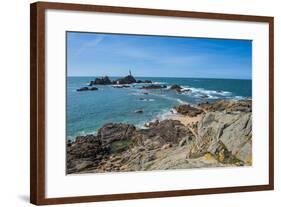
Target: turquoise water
90	110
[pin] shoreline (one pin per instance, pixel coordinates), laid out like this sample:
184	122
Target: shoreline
171	114
161	117
171	93
181	140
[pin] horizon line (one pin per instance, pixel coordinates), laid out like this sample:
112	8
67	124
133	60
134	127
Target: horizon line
160	77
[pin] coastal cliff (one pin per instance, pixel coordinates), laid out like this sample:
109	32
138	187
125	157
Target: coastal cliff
205	135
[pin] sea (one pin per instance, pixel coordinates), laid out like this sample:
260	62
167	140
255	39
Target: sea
88	111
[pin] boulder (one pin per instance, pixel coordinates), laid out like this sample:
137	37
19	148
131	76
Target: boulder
186	109
101	81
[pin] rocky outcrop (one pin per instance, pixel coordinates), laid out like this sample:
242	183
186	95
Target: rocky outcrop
129	79
87	89
115	132
227	136
154	86
126	80
90	153
163	132
222	136
186	109
228	105
84	153
101	81
176	88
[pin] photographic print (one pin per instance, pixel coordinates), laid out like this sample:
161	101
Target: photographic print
143	103
118	97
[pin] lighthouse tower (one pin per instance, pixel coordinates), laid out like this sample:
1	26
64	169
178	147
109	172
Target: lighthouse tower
130	73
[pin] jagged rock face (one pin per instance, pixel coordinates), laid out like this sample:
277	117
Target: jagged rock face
126	80
166	131
88	152
101	81
228	136
85	152
115	132
186	109
89	146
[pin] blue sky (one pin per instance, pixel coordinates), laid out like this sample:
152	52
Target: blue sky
92	54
